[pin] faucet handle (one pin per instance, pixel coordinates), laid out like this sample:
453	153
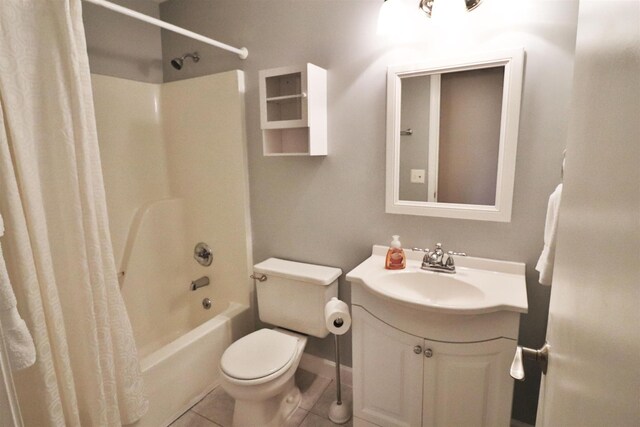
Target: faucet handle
438	250
450	262
456	253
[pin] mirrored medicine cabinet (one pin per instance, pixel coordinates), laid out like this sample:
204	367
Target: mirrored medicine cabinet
452	131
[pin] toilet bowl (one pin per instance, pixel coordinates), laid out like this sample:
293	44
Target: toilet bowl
258	372
258	369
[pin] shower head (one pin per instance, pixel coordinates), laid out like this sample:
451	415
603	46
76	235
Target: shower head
178	63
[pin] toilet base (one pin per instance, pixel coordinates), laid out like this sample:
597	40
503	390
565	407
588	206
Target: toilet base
271	412
266	401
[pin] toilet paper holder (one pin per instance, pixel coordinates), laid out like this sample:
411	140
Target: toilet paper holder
339	411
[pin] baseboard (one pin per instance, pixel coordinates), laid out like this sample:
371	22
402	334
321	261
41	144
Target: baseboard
326	368
516	423
359	422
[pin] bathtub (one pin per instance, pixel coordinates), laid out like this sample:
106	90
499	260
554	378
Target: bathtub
179	342
182	372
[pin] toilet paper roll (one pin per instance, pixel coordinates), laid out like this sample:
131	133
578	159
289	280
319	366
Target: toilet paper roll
337	317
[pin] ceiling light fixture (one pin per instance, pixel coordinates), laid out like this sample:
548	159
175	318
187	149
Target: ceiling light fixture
472	4
427	5
394	14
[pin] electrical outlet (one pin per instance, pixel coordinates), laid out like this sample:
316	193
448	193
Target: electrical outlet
417	176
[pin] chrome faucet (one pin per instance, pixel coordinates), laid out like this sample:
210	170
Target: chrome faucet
199	283
436	261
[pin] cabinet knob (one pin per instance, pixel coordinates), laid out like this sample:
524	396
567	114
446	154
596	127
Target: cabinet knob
428	352
417	349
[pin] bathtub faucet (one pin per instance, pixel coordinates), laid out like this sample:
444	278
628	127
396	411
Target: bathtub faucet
198	283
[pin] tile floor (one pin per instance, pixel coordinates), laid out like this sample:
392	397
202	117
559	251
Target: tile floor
216	409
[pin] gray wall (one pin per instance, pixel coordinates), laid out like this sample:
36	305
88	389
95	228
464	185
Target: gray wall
470	115
333	210
121	46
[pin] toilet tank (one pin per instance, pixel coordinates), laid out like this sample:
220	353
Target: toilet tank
295	293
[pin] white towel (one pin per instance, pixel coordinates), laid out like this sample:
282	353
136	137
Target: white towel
545	262
18	341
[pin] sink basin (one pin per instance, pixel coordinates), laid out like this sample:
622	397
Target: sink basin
428	287
479	285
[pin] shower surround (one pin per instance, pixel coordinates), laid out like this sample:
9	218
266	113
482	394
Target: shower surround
175	170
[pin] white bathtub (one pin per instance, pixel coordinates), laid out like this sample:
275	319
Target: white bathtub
179	342
180	373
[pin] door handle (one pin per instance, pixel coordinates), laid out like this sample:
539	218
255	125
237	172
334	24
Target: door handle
517	366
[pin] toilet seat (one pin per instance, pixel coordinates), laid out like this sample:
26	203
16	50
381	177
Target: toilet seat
259	355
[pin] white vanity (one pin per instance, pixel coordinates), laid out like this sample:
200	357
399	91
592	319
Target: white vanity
431	348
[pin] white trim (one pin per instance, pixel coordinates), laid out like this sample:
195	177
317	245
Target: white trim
359	422
326	368
434	138
242	52
513	62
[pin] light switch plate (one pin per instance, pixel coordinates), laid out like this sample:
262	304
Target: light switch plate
417	176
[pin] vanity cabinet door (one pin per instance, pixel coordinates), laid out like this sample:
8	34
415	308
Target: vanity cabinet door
468	384
387	372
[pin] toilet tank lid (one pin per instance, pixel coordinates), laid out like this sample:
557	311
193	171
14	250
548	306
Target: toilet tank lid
310	273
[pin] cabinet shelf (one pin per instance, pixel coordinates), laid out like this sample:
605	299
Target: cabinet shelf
286	98
293	116
306	153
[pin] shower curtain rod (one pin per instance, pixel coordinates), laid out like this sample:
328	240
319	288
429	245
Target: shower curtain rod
242	52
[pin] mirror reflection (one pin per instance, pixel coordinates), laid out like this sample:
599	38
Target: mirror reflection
450	126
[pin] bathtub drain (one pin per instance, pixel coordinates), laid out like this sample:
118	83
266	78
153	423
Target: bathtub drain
206	303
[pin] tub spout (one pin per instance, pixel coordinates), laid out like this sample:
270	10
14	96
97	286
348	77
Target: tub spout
198	283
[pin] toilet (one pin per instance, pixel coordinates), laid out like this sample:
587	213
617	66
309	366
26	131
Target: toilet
258	369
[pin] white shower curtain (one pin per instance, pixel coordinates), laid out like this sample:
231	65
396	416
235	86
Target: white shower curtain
57	245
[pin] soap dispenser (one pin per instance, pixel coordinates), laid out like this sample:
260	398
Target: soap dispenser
396	259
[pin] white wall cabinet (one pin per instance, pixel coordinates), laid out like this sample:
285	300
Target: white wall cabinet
293	111
400	379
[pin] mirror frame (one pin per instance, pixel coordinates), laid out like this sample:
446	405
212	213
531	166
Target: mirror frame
513	62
